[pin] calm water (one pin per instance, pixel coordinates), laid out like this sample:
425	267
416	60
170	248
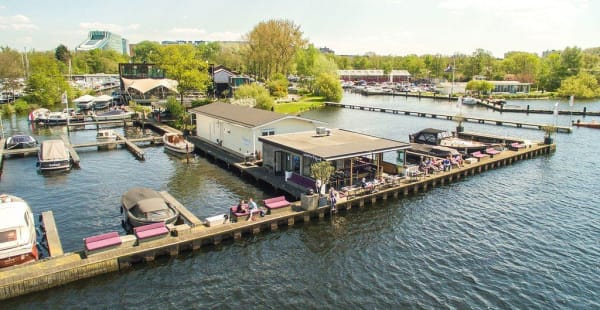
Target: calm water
523	236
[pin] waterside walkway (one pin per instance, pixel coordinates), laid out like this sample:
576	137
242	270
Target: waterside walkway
68	267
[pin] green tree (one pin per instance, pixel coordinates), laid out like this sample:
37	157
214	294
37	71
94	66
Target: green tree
147	51
183	64
258	93
46	83
583	85
522	66
11	68
61	53
328	85
272	47
278	85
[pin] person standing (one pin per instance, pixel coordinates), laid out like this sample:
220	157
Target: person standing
332	199
253	208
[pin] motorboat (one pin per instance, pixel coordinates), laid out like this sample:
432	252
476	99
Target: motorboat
85	102
53	155
17	232
177	143
102	102
106	135
113	115
468	100
416	151
592	124
37	114
60	118
142	206
445	138
20	142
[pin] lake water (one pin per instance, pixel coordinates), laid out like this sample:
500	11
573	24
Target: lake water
523	236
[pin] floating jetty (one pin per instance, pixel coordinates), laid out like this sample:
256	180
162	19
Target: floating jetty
470	119
61	268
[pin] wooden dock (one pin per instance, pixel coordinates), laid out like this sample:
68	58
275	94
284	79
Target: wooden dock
69	267
502	108
469	119
51	234
183	211
74	156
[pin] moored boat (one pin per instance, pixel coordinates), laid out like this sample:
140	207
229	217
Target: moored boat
20	142
592	124
116	114
445	138
106	135
53	155
17	232
468	100
177	143
142	206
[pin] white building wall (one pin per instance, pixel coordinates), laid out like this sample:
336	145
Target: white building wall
243	140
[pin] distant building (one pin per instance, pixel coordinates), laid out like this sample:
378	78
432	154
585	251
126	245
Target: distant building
379	76
104	40
142	81
326	50
227	80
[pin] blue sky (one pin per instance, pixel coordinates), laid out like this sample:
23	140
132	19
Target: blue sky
386	27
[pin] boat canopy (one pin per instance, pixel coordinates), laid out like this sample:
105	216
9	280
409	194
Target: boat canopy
151	205
84	98
137	195
53	150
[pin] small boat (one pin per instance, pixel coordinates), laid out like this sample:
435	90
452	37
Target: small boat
116	114
17	232
20	142
53	155
445	138
85	102
106	135
142	206
38	114
177	143
468	100
102	102
592	124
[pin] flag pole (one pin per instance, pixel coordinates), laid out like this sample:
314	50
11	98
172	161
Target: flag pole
571	99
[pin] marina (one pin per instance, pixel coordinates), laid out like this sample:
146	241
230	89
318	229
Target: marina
370	227
61	269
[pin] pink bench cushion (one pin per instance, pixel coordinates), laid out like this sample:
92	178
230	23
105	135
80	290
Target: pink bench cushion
150	230
102	241
492	151
276	203
478	154
517	145
239	213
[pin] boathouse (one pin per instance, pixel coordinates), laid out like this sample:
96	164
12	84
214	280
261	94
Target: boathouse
227	80
354	155
237	128
396	76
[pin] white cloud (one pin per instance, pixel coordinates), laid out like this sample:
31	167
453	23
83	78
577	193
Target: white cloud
17	22
202	34
118	29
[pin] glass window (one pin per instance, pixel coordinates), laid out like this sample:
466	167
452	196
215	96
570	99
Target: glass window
8	235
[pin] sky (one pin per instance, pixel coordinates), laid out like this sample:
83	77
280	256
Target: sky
348	27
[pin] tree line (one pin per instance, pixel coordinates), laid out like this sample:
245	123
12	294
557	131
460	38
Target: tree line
275	49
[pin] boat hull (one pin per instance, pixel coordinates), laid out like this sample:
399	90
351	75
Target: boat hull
19	259
588	125
177	143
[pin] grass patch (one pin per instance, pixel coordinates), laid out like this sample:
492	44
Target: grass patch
304	104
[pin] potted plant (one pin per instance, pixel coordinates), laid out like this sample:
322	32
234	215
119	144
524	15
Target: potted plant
321	171
549	130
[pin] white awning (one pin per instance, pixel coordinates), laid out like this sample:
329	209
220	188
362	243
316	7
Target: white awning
84	98
145	85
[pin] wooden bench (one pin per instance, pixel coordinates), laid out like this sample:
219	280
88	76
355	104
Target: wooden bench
101	242
479	155
491	151
150	232
276	204
515	146
234	216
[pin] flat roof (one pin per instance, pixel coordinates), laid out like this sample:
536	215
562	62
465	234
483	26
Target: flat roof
243	115
340	143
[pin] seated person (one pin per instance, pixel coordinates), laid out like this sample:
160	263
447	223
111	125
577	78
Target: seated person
447	164
363	182
241	207
457	160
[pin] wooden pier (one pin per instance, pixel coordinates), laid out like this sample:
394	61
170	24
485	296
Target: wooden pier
469	119
51	234
527	110
69	267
